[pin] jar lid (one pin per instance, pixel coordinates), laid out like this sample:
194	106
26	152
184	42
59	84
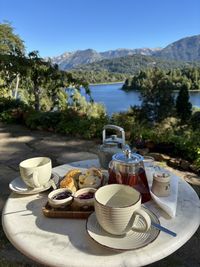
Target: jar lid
162	177
131	158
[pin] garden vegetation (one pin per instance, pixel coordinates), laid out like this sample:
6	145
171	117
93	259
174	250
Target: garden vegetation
33	92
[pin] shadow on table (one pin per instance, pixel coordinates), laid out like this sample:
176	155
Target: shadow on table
74	230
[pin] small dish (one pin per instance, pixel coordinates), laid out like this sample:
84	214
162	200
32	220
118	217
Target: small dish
60	197
84	197
18	186
132	240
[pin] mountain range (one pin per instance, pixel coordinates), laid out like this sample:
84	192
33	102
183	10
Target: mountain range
186	49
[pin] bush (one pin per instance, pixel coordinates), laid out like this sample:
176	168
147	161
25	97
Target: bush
68	122
12	110
124	120
10	103
175	140
80	125
195	120
43	120
6	116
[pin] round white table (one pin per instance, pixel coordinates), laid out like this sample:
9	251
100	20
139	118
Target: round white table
65	242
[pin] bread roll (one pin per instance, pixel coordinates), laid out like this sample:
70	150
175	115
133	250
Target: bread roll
70	180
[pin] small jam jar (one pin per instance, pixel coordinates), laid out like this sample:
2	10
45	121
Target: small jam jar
161	184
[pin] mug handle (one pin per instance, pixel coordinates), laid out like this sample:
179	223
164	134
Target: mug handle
146	218
35	179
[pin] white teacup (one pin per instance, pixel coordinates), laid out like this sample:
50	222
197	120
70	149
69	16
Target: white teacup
36	172
117	208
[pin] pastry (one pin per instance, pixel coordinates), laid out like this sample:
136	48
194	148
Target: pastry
70	180
91	178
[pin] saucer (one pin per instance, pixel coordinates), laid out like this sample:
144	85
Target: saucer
18	186
130	241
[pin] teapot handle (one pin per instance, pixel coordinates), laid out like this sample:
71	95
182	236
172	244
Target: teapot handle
116	128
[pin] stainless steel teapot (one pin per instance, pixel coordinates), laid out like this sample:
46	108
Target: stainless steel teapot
111	145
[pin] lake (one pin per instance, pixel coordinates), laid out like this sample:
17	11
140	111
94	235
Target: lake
116	100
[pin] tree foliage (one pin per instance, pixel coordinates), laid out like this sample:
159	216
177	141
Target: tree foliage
31	78
183	105
132	64
176	77
10	43
156	96
99	76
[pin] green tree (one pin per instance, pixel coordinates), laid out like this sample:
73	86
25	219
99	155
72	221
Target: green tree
11	55
38	73
183	105
12	70
156	95
10	43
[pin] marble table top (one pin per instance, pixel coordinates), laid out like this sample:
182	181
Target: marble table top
65	242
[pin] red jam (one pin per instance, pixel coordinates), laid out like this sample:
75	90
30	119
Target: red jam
62	195
87	195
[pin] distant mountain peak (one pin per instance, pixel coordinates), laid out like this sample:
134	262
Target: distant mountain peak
69	60
186	49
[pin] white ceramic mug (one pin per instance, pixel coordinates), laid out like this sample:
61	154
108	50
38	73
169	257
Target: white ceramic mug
36	172
117	208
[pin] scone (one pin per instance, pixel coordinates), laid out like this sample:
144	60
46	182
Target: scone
91	178
70	180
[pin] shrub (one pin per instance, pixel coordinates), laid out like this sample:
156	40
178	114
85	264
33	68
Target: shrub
80	125
6	116
124	120
195	120
44	120
10	103
12	110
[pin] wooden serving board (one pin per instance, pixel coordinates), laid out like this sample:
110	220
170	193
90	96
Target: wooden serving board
70	212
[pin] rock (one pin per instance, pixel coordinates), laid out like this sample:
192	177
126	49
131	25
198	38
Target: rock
194	168
150	145
159	156
164	147
192	178
174	162
185	165
142	151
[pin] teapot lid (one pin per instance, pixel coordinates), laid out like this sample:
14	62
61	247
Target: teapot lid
113	140
127	157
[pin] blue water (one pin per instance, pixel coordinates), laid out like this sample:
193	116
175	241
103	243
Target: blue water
116	100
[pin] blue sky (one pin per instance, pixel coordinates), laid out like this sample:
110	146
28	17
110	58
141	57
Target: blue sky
56	26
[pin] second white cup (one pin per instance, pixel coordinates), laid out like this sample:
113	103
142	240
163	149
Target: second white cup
36	172
117	207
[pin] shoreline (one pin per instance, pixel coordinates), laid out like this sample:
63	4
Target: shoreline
174	91
104	83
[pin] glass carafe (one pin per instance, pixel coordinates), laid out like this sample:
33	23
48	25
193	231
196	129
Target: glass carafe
128	168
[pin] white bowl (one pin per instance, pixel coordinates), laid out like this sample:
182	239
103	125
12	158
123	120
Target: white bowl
56	203
81	202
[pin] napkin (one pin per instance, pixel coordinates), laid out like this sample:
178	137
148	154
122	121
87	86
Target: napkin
169	203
